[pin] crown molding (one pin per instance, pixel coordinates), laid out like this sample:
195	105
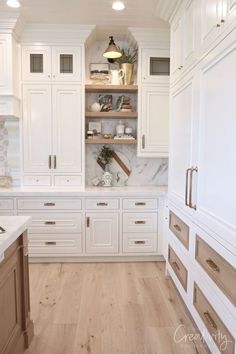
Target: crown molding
12	23
56	33
166	9
160	36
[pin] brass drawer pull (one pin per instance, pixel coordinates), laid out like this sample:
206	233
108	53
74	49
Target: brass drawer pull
49	204
140	204
213	265
139	242
175	264
102	204
50	223
50	243
88	221
210	320
177	227
140	222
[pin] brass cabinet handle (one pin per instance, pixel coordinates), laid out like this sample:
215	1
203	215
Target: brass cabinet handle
50	243
143	141
50	223
175	264
50	161
49	204
187	187
177	227
139	242
210	320
55	162
218	25
213	265
140	222
140	204
193	169
102	204
88	221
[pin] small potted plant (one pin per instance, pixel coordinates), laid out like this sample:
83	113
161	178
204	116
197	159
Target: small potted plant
129	57
105	156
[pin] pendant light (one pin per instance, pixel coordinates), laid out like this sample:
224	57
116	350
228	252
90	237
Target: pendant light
112	51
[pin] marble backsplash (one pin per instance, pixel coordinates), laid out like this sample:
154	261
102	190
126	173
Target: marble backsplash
144	171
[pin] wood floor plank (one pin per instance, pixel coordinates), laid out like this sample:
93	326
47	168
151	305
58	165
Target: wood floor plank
116	308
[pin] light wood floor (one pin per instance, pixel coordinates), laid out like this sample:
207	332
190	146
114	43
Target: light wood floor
108	308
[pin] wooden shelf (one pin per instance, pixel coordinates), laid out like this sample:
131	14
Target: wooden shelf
110	141
111	88
123	115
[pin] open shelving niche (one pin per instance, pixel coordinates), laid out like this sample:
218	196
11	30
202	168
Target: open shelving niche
110	119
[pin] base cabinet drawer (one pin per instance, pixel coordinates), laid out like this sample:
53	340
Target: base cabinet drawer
146	243
223	273
47	223
217	329
6	204
179	229
49	204
67	181
54	245
140	204
178	267
41	181
140	222
102	204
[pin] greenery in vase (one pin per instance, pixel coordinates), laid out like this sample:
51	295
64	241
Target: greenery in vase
128	56
105	155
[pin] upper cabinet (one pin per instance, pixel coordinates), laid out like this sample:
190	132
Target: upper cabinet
155	65
46	64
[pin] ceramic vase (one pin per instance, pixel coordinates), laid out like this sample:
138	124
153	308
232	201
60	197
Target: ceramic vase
106	177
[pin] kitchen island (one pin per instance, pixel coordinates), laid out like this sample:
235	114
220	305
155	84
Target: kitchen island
16	328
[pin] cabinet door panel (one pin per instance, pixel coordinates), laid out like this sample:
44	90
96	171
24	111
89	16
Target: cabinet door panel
154	126
217	158
189	33
210	18
67	135
37	127
66	64
176	47
36	63
102	233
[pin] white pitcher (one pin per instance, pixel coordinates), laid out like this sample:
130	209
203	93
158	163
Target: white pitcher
116	76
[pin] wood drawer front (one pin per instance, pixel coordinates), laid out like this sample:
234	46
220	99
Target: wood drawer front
63	181
140	222
178	267
213	322
41	181
55	223
102	204
49	204
179	229
55	245
6	204
145	244
223	273
140	204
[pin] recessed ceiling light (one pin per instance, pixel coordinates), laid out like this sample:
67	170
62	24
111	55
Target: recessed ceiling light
118	5
13	3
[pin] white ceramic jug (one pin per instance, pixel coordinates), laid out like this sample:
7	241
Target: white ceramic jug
116	76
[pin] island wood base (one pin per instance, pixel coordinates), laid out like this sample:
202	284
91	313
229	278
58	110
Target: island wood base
16	328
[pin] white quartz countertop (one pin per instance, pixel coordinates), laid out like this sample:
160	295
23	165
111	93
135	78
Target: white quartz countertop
90	192
14	226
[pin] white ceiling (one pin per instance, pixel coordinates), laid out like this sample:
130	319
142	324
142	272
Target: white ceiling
138	13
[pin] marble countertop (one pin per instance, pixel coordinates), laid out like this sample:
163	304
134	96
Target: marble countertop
90	191
14	226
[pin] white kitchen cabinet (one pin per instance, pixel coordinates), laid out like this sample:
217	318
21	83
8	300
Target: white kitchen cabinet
183	137
102	233
155	65
154	121
51	64
37	128
176	48
52	131
67	122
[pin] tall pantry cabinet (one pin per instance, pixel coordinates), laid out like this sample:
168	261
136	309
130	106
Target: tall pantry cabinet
202	223
52	77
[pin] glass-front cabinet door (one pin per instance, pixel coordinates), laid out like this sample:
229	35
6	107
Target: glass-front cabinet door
66	64
155	65
36	63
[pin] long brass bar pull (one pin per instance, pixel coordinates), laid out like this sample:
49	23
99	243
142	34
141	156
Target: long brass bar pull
49	204
55	162
50	223
187	187
88	221
143	141
50	243
210	320
191	205
50	162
